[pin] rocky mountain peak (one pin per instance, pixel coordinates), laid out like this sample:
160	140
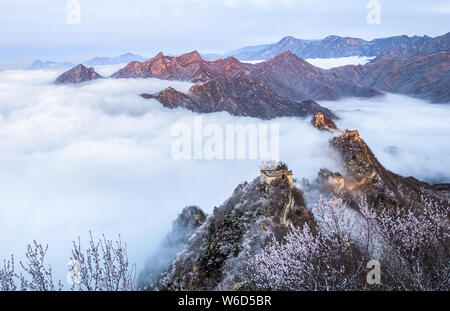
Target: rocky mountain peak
351	137
332	37
357	156
237	96
287	54
192	217
289	62
189	58
159	55
364	177
323	123
288	40
189	221
254	214
171	98
78	74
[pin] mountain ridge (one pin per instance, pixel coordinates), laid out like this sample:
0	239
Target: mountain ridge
286	74
239	97
262	210
293	78
96	61
336	46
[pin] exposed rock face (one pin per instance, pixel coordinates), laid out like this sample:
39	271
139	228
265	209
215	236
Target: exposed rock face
294	78
286	75
407	47
237	96
323	123
332	182
215	255
426	77
335	46
183	228
186	67
171	98
365	176
190	219
78	74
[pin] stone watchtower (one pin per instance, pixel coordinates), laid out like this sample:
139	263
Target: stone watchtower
271	171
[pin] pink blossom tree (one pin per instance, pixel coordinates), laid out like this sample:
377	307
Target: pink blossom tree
103	266
412	246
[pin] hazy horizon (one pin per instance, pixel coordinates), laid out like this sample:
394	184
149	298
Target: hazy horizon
40	29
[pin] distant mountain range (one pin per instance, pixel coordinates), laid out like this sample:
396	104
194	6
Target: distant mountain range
335	47
330	47
96	61
291	77
286	74
285	85
121	59
41	64
425	77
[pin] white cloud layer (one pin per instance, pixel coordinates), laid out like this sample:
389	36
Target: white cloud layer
97	157
327	63
408	136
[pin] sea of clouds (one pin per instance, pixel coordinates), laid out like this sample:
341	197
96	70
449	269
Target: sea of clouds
97	157
328	63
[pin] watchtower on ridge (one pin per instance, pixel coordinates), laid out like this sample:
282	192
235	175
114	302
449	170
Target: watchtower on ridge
273	170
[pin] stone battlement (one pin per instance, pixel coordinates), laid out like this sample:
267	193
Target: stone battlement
269	175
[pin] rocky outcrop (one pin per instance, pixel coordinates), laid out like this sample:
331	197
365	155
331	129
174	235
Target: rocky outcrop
321	122
366	177
189	220
78	74
239	97
214	257
183	228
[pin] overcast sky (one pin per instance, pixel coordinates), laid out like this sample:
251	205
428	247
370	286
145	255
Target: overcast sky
32	29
